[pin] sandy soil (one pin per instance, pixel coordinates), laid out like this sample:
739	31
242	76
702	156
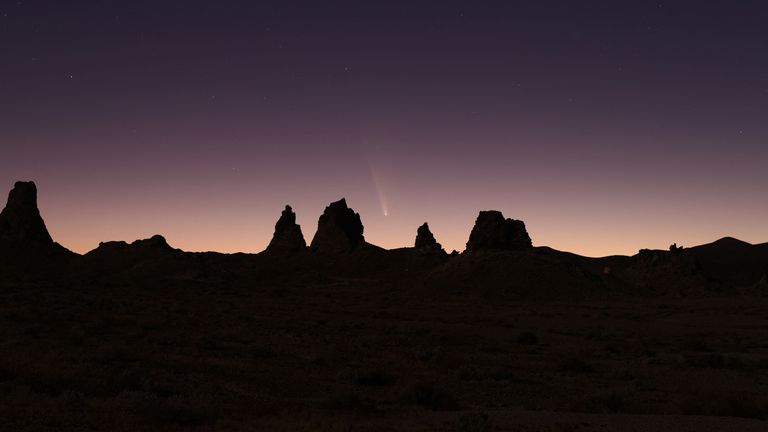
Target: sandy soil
357	354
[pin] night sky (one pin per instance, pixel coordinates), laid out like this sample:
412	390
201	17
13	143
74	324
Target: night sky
606	126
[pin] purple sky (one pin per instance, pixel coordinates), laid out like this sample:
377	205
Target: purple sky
606	126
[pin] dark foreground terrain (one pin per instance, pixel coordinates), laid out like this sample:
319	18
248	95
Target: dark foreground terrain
365	355
342	335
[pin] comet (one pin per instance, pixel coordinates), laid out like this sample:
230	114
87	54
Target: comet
379	190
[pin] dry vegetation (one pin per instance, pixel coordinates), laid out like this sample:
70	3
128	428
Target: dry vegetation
378	357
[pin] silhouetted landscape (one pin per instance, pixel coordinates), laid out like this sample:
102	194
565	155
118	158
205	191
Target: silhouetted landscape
340	334
383	216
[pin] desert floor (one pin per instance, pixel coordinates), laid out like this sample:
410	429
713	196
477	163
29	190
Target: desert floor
362	355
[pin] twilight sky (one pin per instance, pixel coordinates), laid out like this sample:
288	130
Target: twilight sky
607	126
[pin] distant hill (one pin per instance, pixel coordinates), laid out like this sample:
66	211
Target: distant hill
732	261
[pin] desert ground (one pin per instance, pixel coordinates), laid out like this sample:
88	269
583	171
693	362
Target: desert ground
362	354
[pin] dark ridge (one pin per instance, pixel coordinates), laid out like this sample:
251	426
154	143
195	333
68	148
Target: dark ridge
732	261
730	241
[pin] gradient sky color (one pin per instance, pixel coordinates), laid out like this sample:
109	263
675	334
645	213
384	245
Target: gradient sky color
607	126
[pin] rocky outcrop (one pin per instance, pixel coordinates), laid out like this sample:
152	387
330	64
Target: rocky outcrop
425	240
27	251
154	243
339	230
153	247
288	236
20	221
665	273
493	232
147	261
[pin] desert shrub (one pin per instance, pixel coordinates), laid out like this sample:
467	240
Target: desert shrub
72	402
736	406
715	361
695	345
432	398
319	361
623	375
608	403
129	379
474	422
726	405
527	338
51	380
576	365
349	402
279	292
112	354
502	374
260	352
468	373
430	356
374	378
6	374
179	410
494	349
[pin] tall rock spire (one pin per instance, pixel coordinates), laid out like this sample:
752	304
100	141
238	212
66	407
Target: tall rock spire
20	221
339	229
288	236
425	239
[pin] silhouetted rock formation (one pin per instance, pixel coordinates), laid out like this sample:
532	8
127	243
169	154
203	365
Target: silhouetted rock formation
425	239
493	232
339	229
20	221
27	251
156	243
674	248
288	236
147	261
666	273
